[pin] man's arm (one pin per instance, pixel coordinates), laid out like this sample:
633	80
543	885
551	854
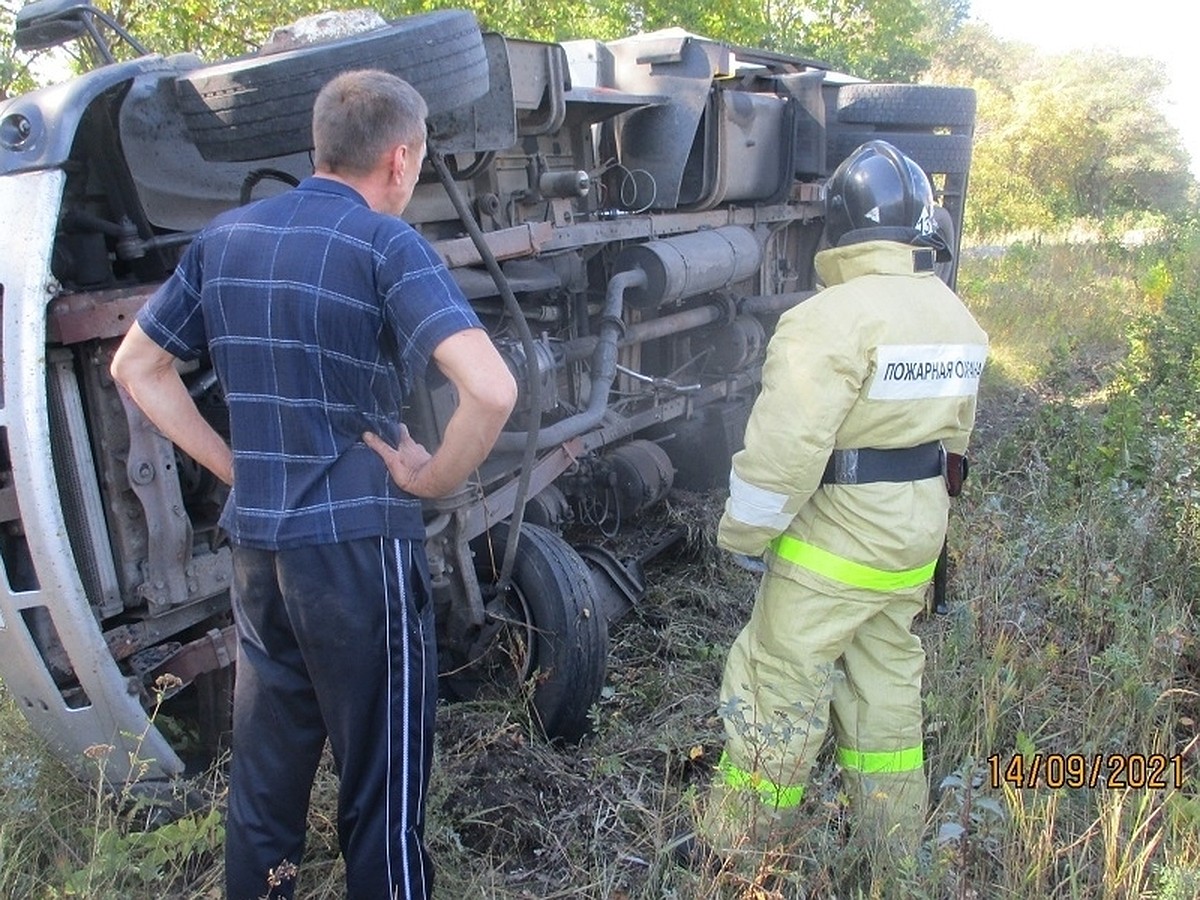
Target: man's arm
147	373
486	395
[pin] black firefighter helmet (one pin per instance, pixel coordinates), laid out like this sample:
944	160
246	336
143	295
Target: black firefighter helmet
879	194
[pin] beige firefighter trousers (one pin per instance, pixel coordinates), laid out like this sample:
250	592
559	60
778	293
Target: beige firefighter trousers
815	655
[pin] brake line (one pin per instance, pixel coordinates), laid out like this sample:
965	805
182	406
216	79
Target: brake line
534	385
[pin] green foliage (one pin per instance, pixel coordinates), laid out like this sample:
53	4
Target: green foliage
973	55
1062	138
880	39
1057	138
15	75
1074	616
213	29
1154	409
148	859
1099	146
1112	338
114	842
9	64
883	40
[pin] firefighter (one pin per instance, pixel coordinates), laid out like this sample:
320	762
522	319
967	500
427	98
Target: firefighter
868	400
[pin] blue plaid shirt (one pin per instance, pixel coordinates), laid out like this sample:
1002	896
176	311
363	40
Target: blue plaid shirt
319	315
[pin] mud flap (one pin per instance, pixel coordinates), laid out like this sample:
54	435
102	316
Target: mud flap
620	585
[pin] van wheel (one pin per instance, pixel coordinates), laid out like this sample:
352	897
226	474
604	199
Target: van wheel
546	633
906	105
945	154
260	107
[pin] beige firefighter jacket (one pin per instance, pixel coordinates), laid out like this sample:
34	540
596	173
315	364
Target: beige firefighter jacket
884	357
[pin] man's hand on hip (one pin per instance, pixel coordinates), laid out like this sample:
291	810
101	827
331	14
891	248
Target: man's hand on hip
404	461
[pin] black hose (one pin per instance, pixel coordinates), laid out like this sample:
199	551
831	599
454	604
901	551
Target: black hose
534	384
604	372
251	180
481	162
772	303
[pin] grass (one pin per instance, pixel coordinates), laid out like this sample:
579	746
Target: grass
1038	302
1071	635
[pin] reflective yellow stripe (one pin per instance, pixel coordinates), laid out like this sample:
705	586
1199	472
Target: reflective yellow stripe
772	794
847	571
873	762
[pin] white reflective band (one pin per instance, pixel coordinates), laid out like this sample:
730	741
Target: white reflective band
755	506
920	371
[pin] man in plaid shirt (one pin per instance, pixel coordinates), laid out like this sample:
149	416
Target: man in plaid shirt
319	309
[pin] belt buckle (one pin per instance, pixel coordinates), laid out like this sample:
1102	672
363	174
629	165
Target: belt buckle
845	466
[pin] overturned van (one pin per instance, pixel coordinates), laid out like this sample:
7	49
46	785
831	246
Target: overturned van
629	218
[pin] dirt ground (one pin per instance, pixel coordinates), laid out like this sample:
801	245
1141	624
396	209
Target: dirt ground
548	817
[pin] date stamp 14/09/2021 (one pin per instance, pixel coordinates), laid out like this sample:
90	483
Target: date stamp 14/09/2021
1114	771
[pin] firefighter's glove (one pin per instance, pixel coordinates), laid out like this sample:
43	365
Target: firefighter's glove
750	563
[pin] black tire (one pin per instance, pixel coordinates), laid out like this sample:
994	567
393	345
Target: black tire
260	107
548	630
906	105
937	154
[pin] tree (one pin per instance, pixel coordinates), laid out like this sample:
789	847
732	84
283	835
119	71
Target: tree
16	76
1091	132
1004	196
1064	137
875	39
878	39
890	40
213	29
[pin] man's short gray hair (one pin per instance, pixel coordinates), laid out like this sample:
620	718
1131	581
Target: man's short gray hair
359	116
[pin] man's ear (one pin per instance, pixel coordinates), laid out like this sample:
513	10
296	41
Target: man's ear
396	163
400	160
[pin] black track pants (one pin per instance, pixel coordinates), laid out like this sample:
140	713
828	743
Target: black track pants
335	640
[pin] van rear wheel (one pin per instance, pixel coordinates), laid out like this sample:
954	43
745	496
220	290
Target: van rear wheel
946	154
261	107
906	105
545	633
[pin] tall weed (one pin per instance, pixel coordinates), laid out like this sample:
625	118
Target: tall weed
112	842
1076	621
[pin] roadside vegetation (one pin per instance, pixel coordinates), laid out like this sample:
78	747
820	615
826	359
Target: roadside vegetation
1071	638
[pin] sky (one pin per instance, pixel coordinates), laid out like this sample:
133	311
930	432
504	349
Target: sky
1160	29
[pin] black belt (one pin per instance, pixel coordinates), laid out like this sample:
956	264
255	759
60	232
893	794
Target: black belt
868	465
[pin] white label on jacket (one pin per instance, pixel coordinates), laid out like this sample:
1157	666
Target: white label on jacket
921	371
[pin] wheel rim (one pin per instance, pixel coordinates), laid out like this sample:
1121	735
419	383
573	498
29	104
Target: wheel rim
544	638
506	654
